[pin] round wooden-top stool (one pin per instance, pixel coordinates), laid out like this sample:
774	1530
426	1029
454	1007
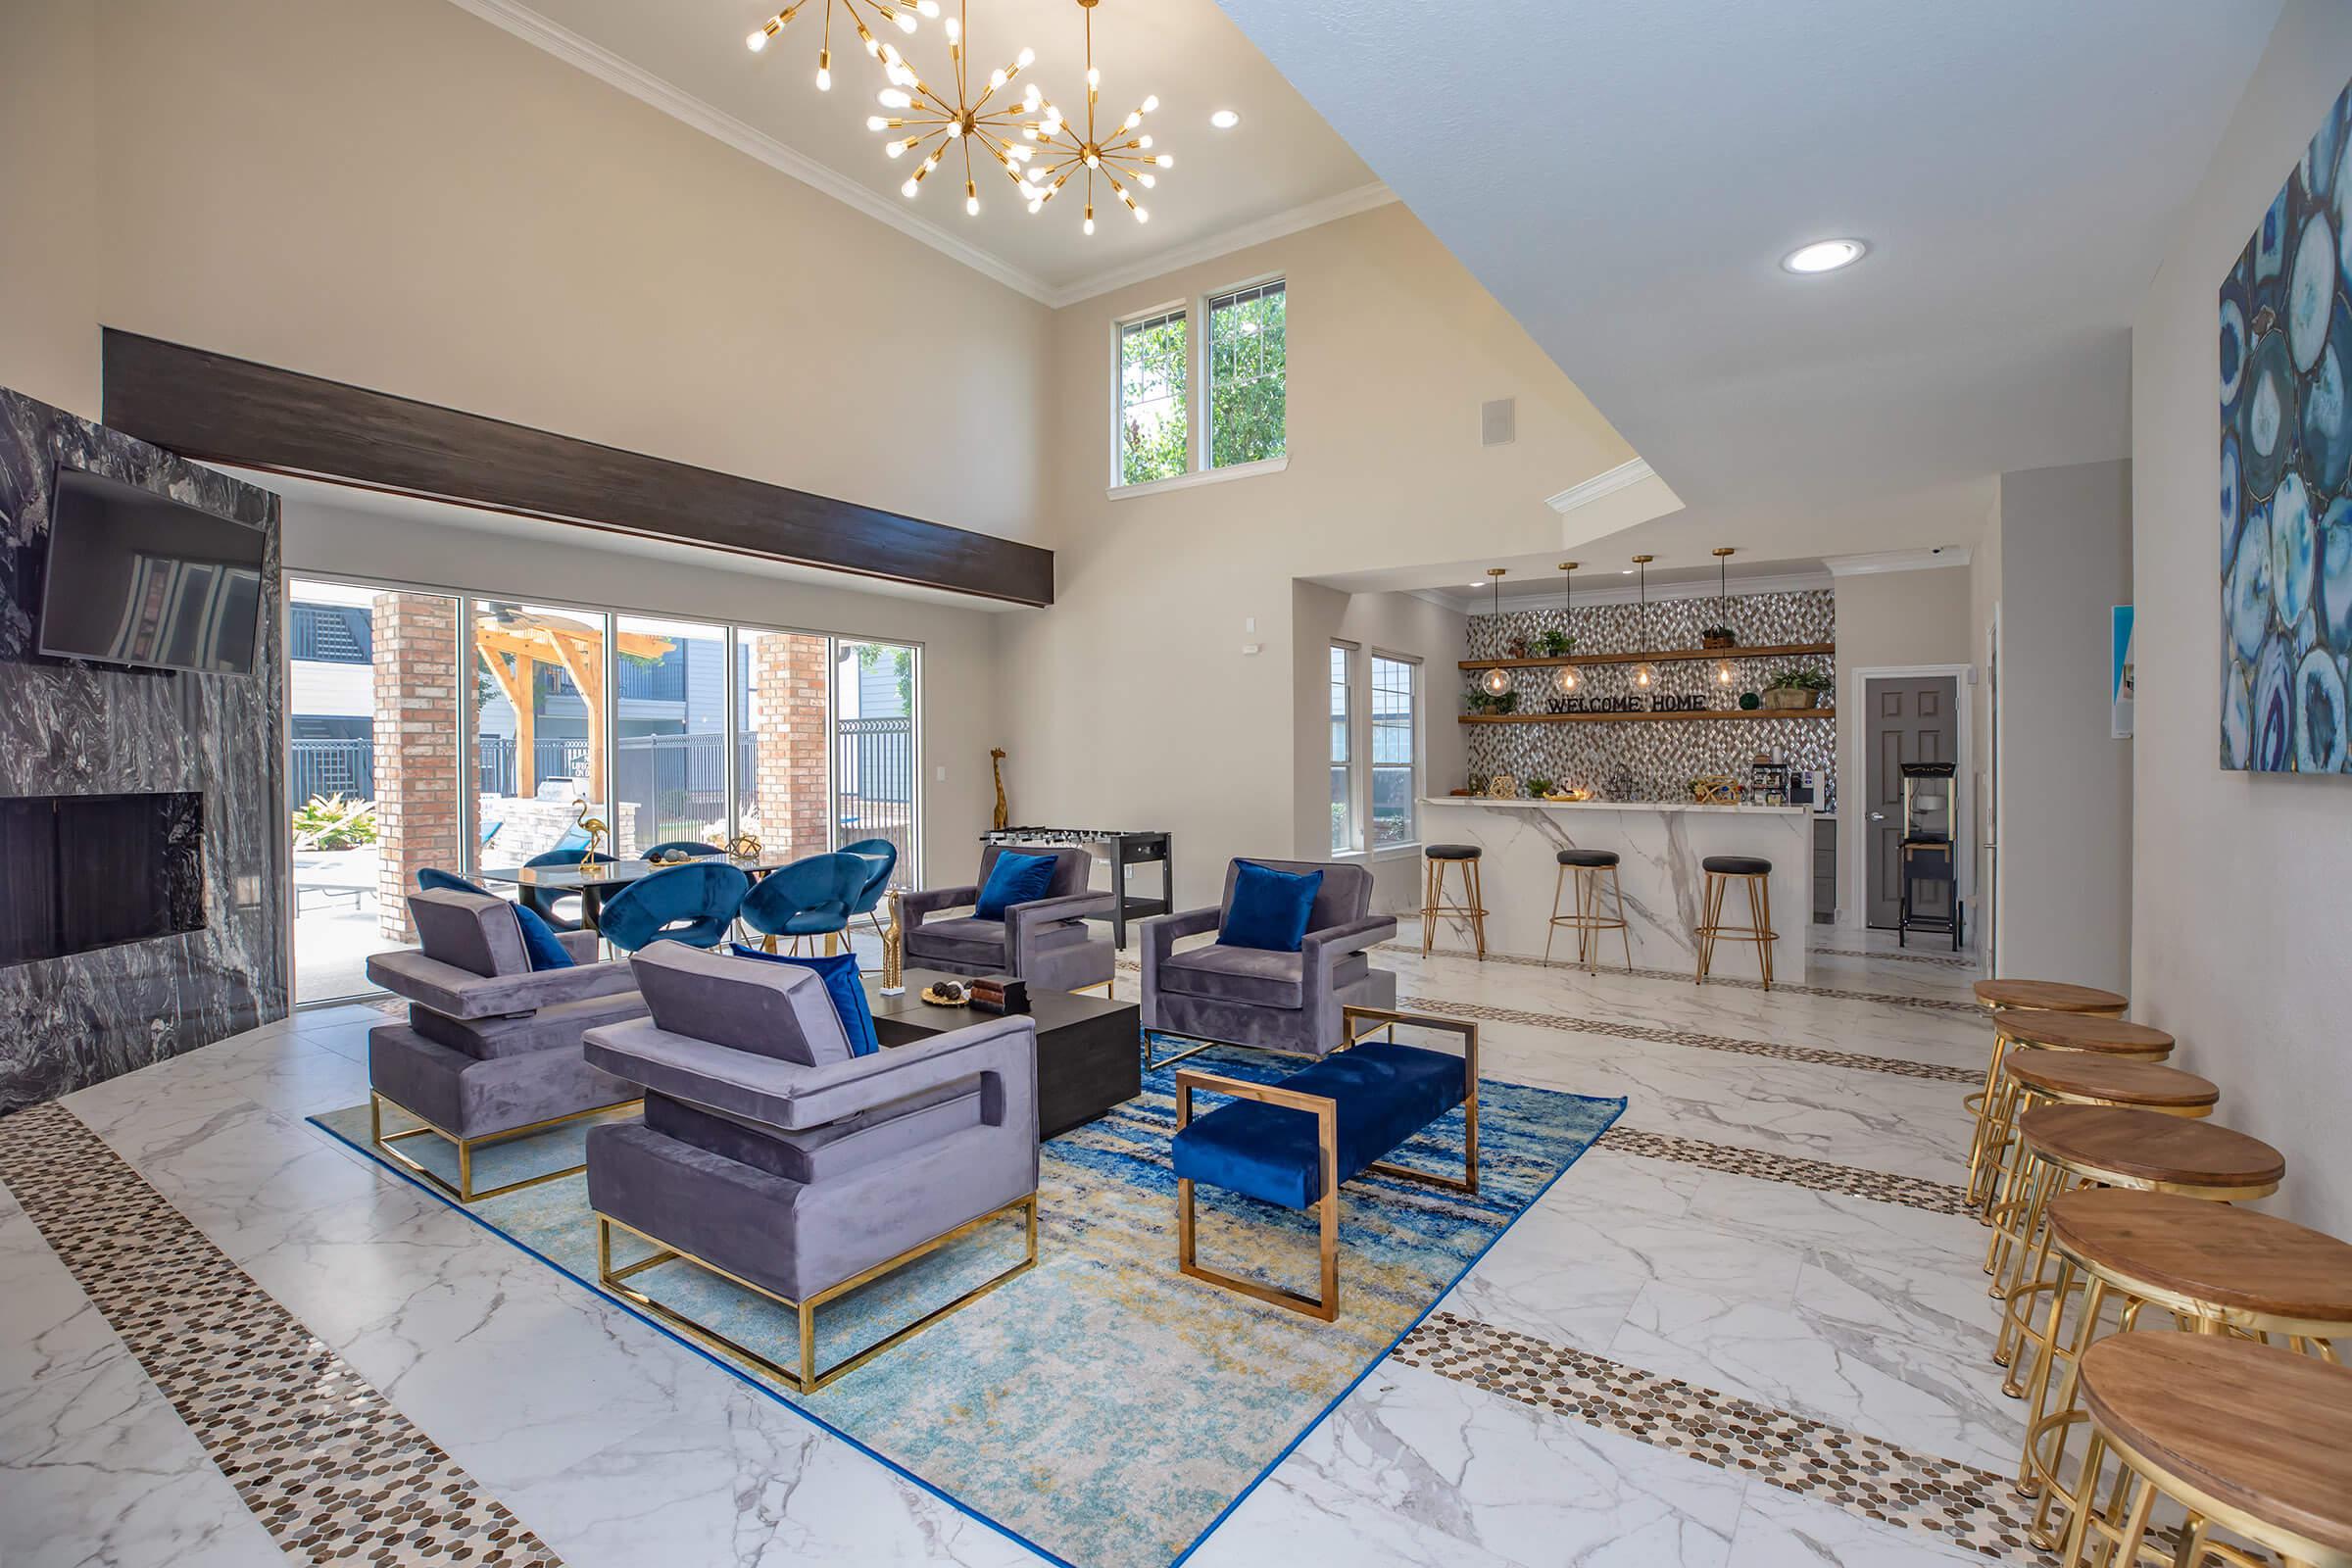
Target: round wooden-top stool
1472	911
2037	1076
1722	871
2072	1146
1587	922
2104	1033
1998	996
2214	1268
2249	1438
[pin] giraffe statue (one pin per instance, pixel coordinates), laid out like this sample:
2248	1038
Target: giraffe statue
996	764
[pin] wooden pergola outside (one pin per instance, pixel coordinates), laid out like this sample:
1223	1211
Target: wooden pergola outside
511	641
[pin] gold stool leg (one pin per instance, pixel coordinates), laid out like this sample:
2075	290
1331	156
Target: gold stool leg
1429	904
1625	932
1984	1106
1558	884
1476	881
1706	919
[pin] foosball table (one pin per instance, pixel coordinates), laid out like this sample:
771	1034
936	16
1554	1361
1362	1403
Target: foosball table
1122	850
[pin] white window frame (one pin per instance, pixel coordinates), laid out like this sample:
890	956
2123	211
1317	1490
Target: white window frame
1416	697
1349	658
1196	394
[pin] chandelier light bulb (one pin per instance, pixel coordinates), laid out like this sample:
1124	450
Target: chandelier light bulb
1567	677
896	149
1150	103
1146	180
1093	79
954	30
996	79
906	22
929	8
1135	120
1142	141
1037	204
972	205
1092	160
893	98
907	190
1642	674
1164	160
1089	223
1025	60
1723	673
825	79
1142	217
756	41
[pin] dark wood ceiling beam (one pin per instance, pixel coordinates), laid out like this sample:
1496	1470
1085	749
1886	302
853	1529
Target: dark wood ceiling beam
217	409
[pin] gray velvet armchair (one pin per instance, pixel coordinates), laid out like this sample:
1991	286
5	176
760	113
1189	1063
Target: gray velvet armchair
491	1048
1045	941
773	1155
1274	1001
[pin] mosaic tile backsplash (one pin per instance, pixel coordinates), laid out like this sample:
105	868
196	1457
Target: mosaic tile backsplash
1653	761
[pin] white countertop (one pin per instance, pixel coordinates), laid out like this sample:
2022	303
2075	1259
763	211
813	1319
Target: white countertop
1613	806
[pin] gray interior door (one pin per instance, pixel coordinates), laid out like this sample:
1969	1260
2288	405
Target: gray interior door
1910	719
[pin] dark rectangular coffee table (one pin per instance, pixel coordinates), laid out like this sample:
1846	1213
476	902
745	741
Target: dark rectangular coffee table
1088	1049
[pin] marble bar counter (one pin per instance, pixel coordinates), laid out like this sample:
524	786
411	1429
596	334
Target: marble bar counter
1659	846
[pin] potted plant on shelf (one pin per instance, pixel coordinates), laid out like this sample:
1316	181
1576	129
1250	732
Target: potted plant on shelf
1793	690
1555	645
1538	788
1717	637
1481	701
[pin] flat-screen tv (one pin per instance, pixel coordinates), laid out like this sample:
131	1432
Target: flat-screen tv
139	578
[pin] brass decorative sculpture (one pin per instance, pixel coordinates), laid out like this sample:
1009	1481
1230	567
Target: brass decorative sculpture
996	766
894	951
595	828
744	847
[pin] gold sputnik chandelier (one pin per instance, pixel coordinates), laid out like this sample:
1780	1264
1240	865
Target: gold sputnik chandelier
900	13
929	122
1127	149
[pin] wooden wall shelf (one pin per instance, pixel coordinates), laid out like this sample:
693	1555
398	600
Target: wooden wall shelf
1652	719
1663	655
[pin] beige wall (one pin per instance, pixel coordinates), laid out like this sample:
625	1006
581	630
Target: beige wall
1984	609
1139	705
1885	619
2065	885
396	193
2242	896
48	270
550	564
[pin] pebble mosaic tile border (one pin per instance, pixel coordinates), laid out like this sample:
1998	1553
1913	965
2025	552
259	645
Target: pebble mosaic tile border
1817	1175
1812	1055
1682	977
1968	964
1969	1507
325	1463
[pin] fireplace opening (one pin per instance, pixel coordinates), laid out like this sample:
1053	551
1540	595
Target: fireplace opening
79	872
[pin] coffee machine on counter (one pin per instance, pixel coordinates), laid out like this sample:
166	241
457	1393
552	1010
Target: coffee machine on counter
1810	785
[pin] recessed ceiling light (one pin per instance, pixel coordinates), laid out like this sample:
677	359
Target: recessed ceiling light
1824	256
1627	572
1224	120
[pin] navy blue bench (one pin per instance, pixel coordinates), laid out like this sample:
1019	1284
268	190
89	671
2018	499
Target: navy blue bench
1295	1142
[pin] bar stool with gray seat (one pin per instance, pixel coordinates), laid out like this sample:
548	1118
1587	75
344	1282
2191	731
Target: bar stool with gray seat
1472	913
1587	922
1722	872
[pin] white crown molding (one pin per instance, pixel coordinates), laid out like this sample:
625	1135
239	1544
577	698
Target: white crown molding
1608	483
682	106
513	17
1782	583
1883	560
1331	209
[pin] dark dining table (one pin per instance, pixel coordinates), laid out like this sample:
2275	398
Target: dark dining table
593	882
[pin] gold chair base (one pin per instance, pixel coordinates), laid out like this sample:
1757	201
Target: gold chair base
1325	1305
463	1188
805	1378
1758	929
1472	915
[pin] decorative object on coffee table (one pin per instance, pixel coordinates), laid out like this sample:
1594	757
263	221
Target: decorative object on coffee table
894	951
996	765
1087	1055
948	992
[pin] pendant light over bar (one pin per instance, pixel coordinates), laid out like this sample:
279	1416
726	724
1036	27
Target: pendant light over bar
1722	604
1497	680
1567	677
1643	675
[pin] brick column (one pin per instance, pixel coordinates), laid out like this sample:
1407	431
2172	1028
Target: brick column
416	752
788	719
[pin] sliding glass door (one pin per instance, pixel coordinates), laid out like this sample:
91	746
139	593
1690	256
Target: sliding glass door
372	768
669	761
876	773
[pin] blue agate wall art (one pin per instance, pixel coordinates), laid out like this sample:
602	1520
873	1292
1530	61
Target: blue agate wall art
2286	470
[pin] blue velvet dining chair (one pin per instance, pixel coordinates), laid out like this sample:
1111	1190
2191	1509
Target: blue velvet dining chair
694	903
432	879
541	902
810	897
693	846
884	856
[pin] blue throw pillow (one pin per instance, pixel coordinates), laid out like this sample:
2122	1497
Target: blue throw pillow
840	975
539	941
1270	909
1014	879
433	879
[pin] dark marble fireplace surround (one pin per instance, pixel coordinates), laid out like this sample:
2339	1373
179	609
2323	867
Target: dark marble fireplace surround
74	729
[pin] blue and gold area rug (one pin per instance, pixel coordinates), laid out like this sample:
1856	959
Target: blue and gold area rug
1103	1407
